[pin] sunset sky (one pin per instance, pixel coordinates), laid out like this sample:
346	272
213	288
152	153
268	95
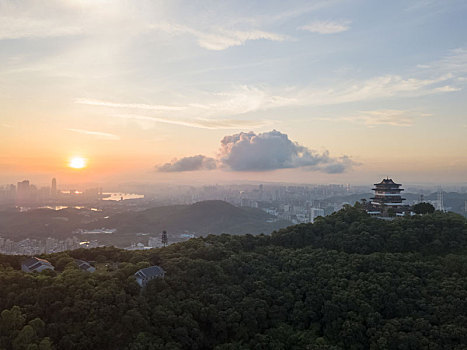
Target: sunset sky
181	91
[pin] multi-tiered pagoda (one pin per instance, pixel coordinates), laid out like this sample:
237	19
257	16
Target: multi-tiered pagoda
387	195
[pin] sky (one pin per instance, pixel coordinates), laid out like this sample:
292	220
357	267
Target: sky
223	91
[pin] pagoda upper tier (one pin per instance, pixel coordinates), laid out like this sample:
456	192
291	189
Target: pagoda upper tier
388	185
387	192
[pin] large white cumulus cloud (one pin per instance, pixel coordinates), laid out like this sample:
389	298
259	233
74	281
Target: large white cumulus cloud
267	151
198	162
262	152
274	150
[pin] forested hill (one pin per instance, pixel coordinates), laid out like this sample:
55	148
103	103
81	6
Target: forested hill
347	281
353	231
203	217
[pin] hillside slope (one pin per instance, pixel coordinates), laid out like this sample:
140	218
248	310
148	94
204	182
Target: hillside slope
348	281
206	217
42	223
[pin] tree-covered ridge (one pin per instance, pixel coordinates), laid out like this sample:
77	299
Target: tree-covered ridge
353	231
346	282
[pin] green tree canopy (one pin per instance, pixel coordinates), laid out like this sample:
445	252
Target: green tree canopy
423	208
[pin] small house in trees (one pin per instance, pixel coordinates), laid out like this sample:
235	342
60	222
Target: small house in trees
147	274
85	266
35	264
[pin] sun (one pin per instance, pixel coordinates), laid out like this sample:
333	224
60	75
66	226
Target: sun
77	163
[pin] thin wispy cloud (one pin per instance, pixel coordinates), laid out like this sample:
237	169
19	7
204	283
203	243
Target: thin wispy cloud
47	20
240	100
245	99
30	28
455	62
327	27
446	88
377	87
212	124
101	103
421	4
391	117
196	114
97	134
286	13
209	109
16	23
218	38
248	99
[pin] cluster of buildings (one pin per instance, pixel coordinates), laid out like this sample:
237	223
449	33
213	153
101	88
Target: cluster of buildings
297	204
30	246
142	276
297	214
24	193
159	241
247	195
34	264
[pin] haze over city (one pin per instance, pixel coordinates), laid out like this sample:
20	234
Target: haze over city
210	92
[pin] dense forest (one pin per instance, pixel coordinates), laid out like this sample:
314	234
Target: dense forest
348	281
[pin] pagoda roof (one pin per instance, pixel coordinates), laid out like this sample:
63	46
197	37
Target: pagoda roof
387	182
388	198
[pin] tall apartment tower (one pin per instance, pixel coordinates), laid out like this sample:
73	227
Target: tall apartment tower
53	189
23	191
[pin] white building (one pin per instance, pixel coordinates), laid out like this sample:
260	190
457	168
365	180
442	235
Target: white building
315	212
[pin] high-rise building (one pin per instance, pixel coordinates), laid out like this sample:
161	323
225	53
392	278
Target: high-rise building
23	191
53	189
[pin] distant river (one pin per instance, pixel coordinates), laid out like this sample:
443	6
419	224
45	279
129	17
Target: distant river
56	207
117	196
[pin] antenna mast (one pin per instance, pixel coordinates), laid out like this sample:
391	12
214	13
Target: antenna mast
440	199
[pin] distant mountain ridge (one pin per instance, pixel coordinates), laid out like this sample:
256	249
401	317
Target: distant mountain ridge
206	217
201	218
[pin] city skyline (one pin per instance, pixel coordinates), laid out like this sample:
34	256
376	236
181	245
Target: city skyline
207	92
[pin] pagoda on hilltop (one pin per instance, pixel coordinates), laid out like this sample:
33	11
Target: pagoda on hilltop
387	200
